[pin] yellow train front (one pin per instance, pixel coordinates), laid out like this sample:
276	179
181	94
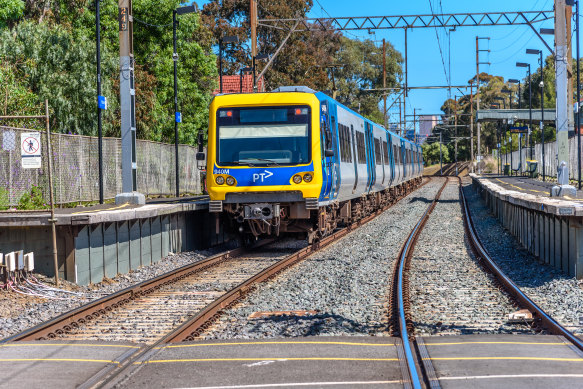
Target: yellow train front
296	161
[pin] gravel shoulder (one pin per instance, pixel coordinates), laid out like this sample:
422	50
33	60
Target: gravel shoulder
450	293
560	295
347	284
19	312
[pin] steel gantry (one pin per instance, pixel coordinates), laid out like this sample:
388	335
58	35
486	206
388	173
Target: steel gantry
410	21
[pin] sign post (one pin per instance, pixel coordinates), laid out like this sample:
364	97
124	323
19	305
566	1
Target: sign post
30	150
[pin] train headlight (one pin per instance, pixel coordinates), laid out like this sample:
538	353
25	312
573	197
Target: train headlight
220	180
307	177
297	179
230	181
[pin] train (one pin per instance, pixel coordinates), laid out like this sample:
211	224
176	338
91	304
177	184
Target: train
296	161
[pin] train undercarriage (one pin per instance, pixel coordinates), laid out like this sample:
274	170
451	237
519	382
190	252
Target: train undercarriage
253	220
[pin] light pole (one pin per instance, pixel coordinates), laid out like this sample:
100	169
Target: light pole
255	59
225	39
515	81
100	99
177	115
506	124
542	104
527	65
577	118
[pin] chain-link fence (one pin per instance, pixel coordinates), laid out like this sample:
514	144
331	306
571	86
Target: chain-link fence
518	159
76	170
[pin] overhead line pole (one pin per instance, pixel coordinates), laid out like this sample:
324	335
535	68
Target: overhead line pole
385	83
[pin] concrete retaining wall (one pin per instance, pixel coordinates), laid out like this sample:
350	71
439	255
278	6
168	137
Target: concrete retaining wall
89	252
550	229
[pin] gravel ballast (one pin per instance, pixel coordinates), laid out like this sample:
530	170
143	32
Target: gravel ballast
347	283
450	293
557	293
19	312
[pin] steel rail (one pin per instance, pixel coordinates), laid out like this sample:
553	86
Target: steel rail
194	326
85	313
540	316
404	256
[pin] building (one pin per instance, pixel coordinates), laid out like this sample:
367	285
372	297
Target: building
232	84
426	124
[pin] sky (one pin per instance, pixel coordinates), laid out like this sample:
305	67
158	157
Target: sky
429	48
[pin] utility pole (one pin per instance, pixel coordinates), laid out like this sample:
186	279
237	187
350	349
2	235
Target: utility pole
127	107
177	116
561	69
385	83
400	116
440	159
406	85
253	24
472	126
478	97
479	150
455	129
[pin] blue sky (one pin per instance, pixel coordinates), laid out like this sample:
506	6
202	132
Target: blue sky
507	44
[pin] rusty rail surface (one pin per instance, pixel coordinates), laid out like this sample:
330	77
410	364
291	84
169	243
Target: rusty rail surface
92	310
541	318
400	293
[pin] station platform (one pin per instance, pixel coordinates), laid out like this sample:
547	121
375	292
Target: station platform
550	228
477	361
103	212
530	186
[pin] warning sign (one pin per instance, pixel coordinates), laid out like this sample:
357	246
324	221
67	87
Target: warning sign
30	150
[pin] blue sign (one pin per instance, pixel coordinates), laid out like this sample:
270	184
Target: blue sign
178	117
102	102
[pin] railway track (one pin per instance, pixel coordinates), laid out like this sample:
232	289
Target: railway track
419	371
176	306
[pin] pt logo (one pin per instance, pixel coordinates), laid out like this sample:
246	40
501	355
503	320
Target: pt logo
262	176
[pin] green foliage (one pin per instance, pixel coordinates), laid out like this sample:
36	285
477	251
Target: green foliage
431	153
32	200
10	10
15	97
4	202
301	61
58	67
362	68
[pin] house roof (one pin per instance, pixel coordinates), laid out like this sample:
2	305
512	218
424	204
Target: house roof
232	84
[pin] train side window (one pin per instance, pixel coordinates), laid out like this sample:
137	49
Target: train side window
360	147
377	151
386	152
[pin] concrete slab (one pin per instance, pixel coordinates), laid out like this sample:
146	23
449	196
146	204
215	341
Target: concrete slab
58	364
331	362
495	361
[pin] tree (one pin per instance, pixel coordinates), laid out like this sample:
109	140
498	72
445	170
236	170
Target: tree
431	153
55	66
302	60
10	11
361	67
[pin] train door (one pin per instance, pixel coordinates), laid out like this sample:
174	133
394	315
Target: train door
355	155
336	176
391	158
403	159
326	145
382	157
370	158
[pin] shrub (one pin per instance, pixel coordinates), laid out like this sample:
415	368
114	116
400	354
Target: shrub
32	200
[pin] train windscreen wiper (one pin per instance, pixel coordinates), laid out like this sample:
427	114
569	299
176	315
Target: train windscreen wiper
271	161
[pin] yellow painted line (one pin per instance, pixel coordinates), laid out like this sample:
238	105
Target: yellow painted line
55	360
267	359
533	343
283	342
66	344
506	358
507	183
102	210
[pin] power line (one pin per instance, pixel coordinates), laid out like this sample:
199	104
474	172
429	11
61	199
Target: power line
439	45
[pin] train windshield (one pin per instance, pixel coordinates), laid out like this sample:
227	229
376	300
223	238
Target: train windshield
263	136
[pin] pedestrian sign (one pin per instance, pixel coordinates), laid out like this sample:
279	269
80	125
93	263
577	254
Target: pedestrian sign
30	150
